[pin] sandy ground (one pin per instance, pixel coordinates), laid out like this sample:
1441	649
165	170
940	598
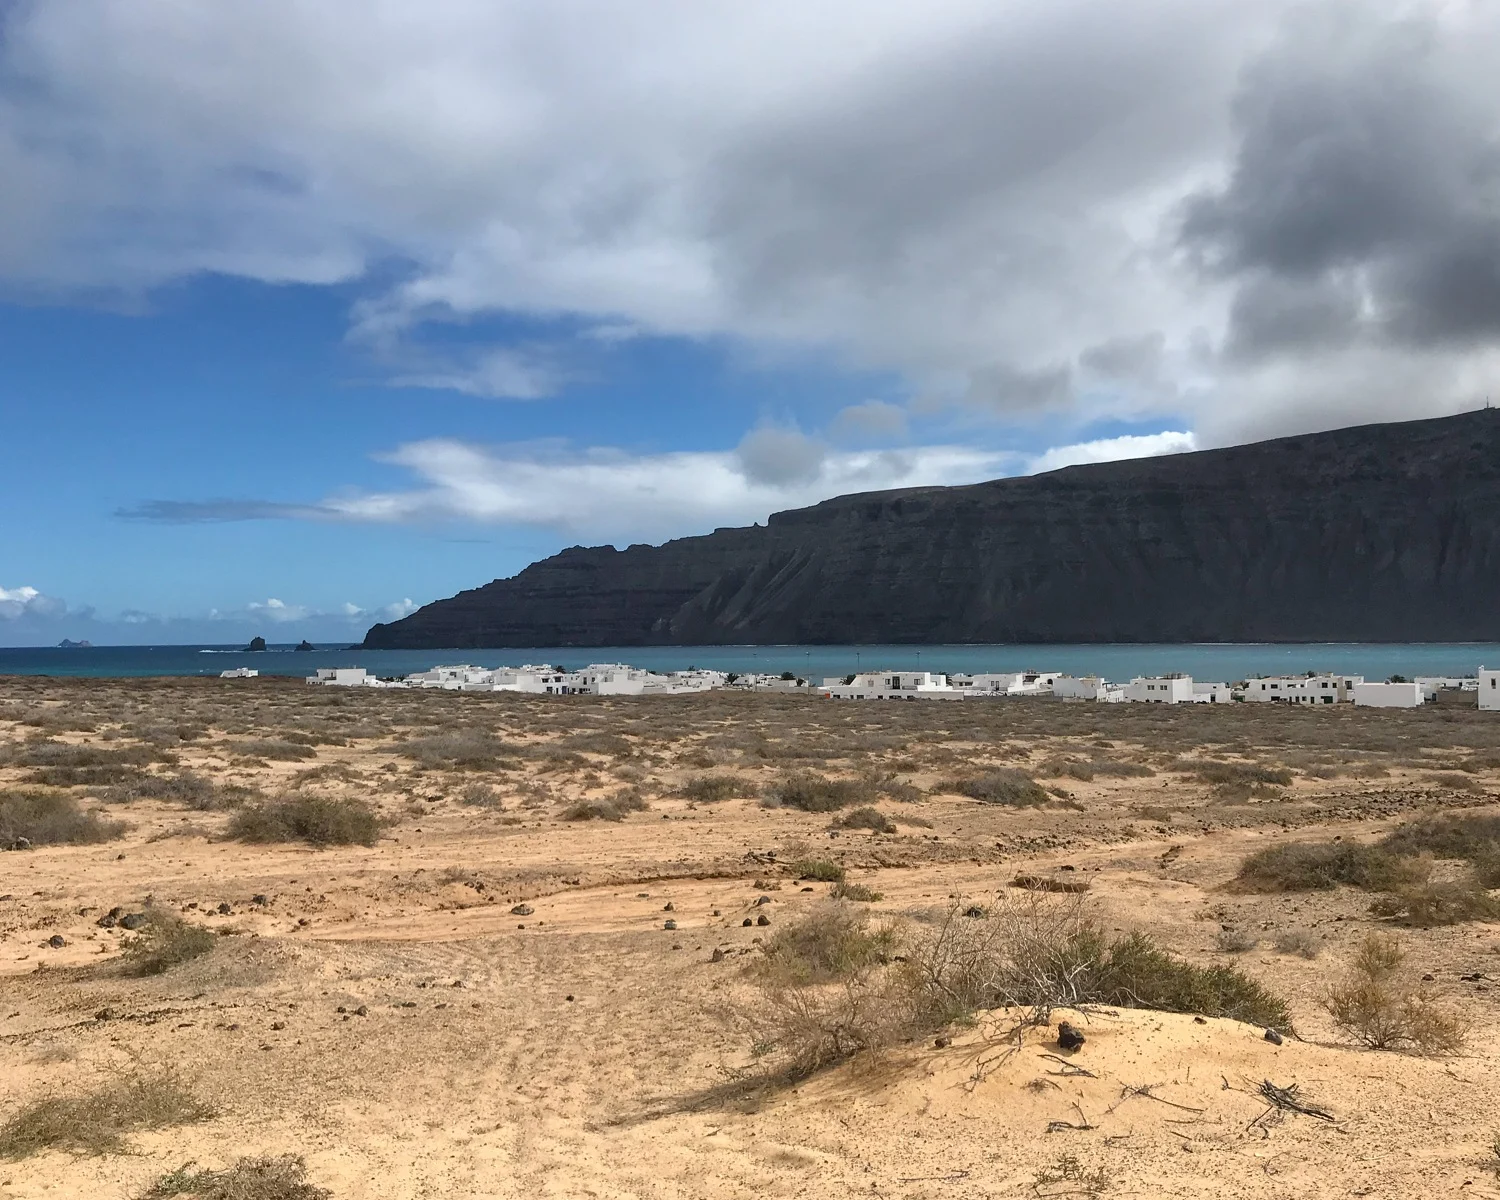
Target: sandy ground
384	1013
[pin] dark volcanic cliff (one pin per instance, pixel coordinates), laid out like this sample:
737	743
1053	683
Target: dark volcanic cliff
1379	533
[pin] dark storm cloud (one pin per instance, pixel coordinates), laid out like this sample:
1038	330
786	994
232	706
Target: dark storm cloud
1367	161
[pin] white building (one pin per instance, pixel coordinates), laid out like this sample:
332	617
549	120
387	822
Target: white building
1388	695
1489	689
1006	683
893	685
1211	693
1302	689
239	673
1160	689
343	677
1431	685
1085	687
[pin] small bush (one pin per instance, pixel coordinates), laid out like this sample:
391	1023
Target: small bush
1234	941
1213	771
1005	785
165	941
51	818
1321	866
187	788
709	789
607	808
1299	942
821	869
98	1123
833	941
1050	883
816	794
1454	781
1433	902
1379	1009
273	749
481	795
844	890
460	750
866	817
307	817
267	1178
1472	837
1089	769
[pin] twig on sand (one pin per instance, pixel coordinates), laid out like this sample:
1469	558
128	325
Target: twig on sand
1068	1068
1148	1090
953	1178
1059	1126
1285	1099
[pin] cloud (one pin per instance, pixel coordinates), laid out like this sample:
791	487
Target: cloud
614	495
1118	208
22	602
275	610
778	457
874	419
1112	450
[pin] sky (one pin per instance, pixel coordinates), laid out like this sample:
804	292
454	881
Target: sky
314	312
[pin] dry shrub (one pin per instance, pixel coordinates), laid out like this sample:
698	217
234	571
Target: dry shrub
815	793
1454	781
273	749
606	808
187	788
1235	941
307	817
481	795
1213	771
1050	883
1380	1009
1034	953
50	818
266	1178
823	870
832	941
460	750
709	789
1088	769
1005	785
844	890
1469	837
1433	902
98	1122
1321	866
1299	942
866	817
165	941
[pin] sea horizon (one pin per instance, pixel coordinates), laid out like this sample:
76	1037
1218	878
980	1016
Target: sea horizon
1213	661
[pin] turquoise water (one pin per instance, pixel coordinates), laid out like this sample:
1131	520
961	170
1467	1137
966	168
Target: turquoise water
1226	662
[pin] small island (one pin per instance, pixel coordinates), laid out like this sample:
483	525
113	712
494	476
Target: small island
256	643
68	644
304	646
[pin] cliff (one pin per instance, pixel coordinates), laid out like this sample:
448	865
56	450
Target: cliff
1377	533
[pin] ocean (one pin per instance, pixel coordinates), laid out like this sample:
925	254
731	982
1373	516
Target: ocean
1211	661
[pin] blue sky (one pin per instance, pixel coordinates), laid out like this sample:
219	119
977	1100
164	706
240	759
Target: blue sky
308	316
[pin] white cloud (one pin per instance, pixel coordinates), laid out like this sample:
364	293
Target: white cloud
779	457
1145	445
275	610
21	602
983	198
874	420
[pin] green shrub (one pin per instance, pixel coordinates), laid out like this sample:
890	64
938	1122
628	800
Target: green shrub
50	818
165	941
1137	973
1321	866
307	817
1005	785
98	1122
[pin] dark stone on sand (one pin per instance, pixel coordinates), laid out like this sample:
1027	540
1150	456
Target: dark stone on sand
1068	1037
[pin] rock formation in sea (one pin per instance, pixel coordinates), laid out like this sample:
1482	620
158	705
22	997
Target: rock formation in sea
1377	533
